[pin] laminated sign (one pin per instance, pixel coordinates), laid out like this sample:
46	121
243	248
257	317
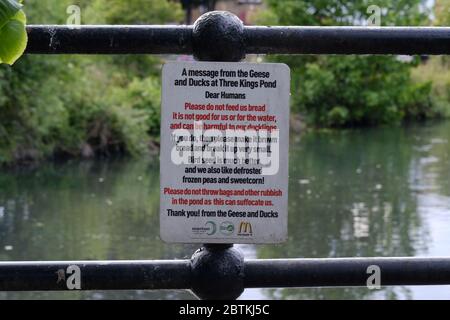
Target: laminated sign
224	152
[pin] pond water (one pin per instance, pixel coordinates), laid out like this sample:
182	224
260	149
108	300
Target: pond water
356	193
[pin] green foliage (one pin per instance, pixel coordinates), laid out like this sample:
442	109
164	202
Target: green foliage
82	105
13	36
336	91
343	12
442	19
436	72
357	90
134	12
145	95
442	12
87	105
23	134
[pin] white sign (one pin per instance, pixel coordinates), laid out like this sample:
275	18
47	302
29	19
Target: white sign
224	152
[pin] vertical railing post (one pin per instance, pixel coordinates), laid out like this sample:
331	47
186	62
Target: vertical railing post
218	269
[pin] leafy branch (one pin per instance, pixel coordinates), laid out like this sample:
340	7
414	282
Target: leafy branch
13	35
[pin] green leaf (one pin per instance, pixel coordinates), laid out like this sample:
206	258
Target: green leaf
13	35
8	9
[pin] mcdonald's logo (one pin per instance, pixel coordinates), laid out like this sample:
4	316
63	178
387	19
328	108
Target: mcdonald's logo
245	229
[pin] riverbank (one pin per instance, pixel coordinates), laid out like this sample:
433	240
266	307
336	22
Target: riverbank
32	158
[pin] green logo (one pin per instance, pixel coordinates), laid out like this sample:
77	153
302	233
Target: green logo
212	226
226	228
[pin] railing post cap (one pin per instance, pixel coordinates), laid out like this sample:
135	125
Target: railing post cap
218	273
219	36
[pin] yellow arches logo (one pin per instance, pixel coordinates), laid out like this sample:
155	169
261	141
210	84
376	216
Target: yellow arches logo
245	229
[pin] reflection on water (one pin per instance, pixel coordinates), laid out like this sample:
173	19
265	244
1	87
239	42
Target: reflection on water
374	192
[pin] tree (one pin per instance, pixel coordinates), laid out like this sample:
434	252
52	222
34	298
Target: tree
134	12
188	5
352	90
82	105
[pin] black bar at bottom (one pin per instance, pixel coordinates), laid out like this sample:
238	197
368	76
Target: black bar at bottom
176	274
95	275
336	272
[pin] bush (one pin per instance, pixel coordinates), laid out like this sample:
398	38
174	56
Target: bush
338	91
436	74
358	90
83	105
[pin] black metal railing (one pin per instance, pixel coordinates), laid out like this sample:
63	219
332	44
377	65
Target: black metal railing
187	274
220	36
258	40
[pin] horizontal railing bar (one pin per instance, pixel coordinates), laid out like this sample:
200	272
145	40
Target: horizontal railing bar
337	272
133	39
96	275
349	40
96	39
176	274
